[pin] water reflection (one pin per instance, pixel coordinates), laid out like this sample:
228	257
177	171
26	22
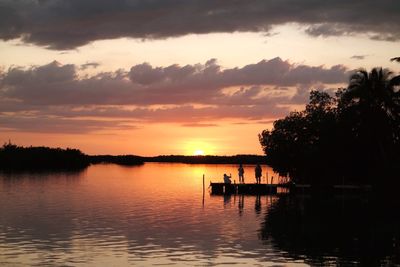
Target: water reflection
241	204
157	214
257	205
19	177
113	215
335	231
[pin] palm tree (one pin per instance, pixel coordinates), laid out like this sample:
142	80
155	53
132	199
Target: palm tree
397	59
376	91
371	106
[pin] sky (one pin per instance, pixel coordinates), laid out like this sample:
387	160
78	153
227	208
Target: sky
160	77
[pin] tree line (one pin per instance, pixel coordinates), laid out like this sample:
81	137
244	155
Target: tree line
14	158
352	137
17	158
208	159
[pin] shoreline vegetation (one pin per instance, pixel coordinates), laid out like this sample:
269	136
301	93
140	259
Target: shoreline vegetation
208	159
19	158
350	138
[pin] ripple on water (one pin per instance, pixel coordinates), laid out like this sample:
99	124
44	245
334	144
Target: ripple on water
118	216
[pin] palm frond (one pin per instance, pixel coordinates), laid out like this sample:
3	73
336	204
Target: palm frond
395	81
397	59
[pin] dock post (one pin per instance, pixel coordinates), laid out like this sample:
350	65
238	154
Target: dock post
203	190
203	184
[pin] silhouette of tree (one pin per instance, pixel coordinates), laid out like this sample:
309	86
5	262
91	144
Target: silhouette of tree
369	114
13	157
299	140
353	137
395	59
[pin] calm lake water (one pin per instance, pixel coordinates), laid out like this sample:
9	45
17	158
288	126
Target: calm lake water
156	214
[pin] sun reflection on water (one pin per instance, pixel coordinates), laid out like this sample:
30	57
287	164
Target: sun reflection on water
143	215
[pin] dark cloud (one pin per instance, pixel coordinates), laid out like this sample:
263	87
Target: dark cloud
359	57
55	98
66	24
56	84
89	65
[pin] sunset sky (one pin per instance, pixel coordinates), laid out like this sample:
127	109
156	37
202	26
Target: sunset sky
177	77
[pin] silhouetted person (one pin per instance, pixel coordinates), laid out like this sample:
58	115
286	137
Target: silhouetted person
258	173
227	179
241	173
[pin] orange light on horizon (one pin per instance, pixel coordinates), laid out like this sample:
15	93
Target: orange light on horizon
198	148
198	152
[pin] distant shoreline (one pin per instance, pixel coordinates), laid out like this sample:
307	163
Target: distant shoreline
18	158
206	159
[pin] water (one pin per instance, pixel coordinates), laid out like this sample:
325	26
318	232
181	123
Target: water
156	214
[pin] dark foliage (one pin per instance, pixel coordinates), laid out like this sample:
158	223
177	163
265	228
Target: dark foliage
18	158
397	59
137	160
13	157
353	137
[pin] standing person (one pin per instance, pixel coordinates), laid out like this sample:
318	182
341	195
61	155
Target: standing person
258	172
241	173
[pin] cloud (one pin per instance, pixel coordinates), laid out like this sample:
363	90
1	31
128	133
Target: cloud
48	124
199	125
359	57
67	24
89	65
73	120
54	97
55	84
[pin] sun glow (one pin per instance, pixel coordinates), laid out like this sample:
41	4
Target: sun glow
198	152
198	148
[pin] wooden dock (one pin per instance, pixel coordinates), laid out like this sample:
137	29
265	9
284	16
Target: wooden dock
272	189
256	189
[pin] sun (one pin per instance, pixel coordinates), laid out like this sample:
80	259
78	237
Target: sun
198	152
196	147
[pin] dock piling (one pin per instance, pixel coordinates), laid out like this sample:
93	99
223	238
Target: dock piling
203	190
